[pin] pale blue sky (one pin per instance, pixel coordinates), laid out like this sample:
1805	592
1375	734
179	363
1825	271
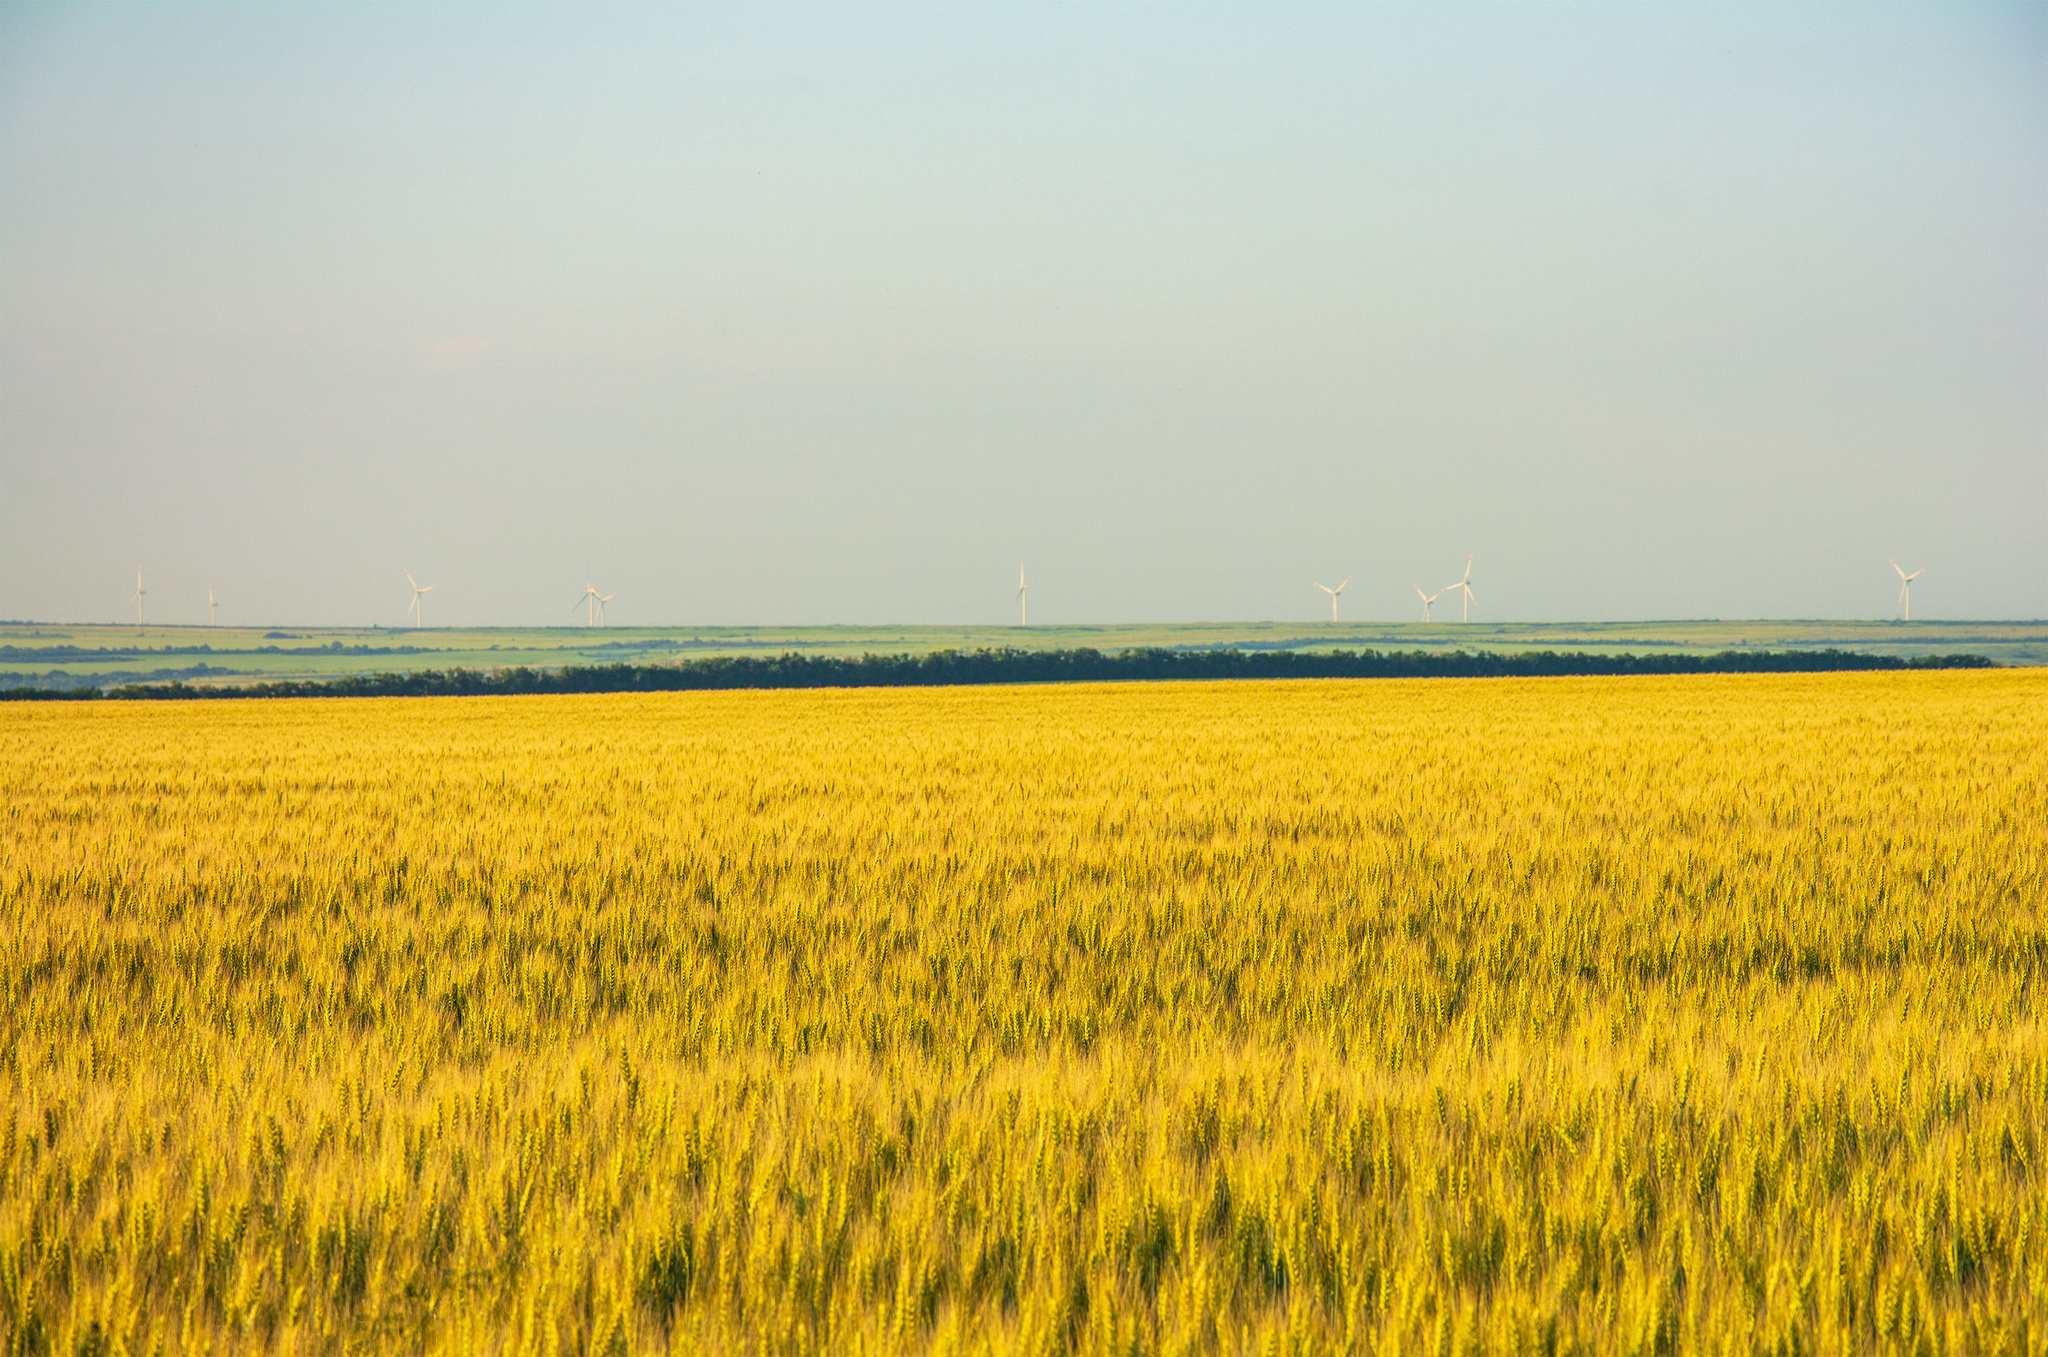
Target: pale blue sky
834	314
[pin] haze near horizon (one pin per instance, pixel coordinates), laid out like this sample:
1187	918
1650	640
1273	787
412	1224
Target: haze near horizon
805	315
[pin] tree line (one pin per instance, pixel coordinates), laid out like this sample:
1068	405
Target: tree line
957	668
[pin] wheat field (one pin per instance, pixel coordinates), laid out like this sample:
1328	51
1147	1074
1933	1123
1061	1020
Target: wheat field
1602	1016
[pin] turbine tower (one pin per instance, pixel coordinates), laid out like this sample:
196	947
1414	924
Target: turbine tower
1023	604
1466	585
593	603
1333	595
418	606
1428	599
140	594
1905	590
212	608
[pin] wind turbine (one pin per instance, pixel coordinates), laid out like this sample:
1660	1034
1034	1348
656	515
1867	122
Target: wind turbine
212	608
1333	595
1428	599
140	594
593	603
419	598
1906	590
1023	604
1466	585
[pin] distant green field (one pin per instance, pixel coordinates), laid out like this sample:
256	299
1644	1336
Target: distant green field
64	655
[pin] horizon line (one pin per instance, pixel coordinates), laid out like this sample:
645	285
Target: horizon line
1035	626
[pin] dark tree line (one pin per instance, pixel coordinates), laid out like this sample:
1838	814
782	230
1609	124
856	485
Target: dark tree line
952	668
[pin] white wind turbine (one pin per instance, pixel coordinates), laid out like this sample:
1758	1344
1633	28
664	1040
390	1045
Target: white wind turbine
593	603
1333	595
418	606
1023	604
140	594
1428	599
212	608
1906	590
1466	585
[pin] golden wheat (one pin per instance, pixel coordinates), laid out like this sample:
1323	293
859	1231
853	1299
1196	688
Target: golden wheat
1684	1015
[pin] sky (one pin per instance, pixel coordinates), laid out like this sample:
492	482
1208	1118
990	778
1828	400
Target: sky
816	314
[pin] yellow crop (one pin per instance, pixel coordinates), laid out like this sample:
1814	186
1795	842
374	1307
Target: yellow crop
1619	1016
